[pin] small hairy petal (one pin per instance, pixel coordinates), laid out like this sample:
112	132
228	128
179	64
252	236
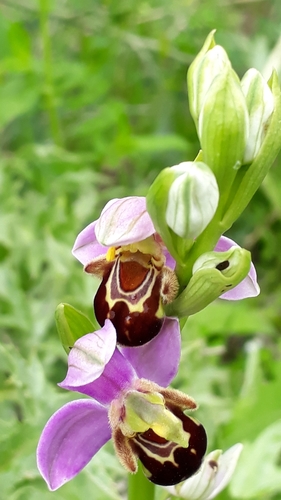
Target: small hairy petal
86	246
165	348
177	398
71	437
124	451
249	286
124	221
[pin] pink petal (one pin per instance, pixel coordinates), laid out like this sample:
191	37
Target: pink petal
158	360
124	221
89	356
249	286
86	246
170	261
71	437
224	244
117	375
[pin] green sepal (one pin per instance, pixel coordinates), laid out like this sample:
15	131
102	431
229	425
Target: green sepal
250	177
71	325
187	213
176	202
193	76
156	204
260	105
209	282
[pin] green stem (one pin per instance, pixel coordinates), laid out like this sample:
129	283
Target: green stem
139	488
48	87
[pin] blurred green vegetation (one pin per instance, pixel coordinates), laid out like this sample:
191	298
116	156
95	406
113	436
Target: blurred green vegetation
93	105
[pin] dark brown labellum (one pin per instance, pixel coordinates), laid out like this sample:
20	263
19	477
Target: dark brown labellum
167	463
130	296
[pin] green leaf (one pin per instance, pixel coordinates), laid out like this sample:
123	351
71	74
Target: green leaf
258	404
72	324
258	472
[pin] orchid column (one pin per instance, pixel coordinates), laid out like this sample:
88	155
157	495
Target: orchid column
159	259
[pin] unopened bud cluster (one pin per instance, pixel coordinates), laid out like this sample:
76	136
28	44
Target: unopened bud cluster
192	204
235	121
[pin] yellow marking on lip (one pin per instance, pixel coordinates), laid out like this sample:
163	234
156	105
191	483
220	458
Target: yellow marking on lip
110	254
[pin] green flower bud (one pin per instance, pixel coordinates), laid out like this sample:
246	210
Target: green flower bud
193	76
192	199
181	202
250	177
214	273
260	104
219	109
201	75
71	325
238	125
223	127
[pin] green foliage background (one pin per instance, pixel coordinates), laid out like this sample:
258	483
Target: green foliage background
93	105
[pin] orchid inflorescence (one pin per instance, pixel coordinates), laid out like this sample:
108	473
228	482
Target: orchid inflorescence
159	259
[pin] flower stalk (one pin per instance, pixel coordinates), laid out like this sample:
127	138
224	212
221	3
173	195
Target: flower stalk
139	487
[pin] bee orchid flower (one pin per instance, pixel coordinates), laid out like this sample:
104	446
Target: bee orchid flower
137	272
123	249
131	403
